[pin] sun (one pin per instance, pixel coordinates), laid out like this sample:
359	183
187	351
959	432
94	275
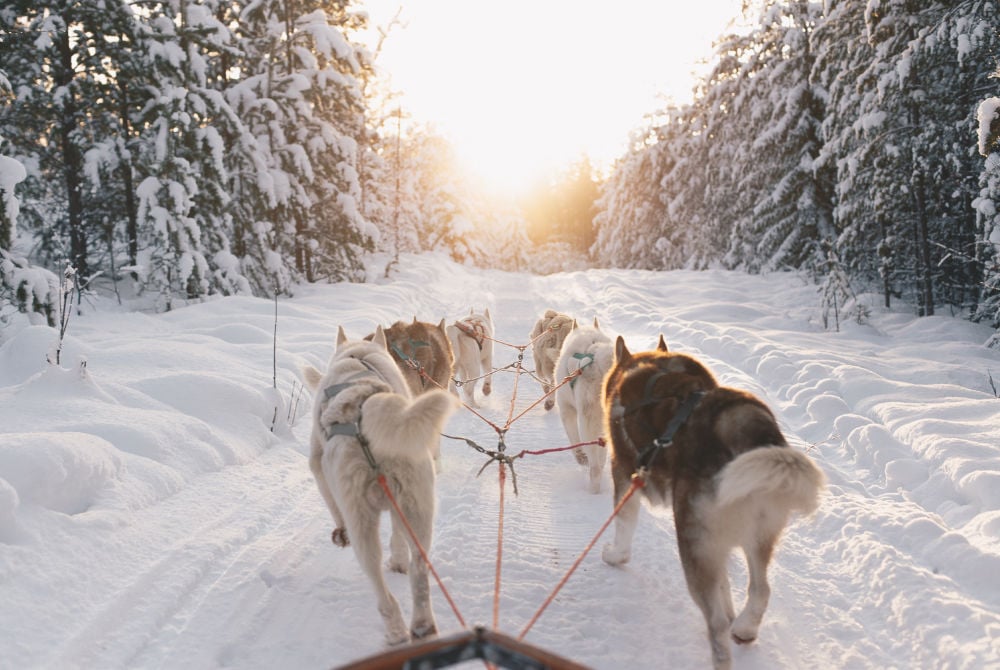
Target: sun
523	89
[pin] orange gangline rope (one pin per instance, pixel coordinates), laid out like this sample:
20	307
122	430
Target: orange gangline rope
502	480
566	380
423	554
496	584
637	483
513	395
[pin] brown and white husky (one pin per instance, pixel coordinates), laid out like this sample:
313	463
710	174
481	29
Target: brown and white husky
718	455
423	353
547	338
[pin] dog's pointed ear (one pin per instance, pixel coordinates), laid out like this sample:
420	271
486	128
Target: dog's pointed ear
575	325
442	327
597	326
662	344
621	351
379	337
488	317
341	336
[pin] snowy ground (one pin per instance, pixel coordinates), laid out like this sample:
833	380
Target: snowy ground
149	518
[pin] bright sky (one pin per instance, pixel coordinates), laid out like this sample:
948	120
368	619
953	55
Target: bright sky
523	88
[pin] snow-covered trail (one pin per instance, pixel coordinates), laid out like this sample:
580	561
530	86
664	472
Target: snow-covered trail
233	567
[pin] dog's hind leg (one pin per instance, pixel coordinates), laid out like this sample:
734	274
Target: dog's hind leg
571	423
486	364
339	536
363	527
758	556
620	549
467	377
704	564
399	547
595	459
590	430
421	519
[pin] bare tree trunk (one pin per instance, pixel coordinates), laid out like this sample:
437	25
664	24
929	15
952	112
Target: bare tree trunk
925	280
72	163
131	209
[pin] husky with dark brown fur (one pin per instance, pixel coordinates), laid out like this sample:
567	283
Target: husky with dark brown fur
546	342
472	342
364	415
718	455
423	353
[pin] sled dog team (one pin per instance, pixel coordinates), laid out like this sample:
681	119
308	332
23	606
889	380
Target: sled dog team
714	453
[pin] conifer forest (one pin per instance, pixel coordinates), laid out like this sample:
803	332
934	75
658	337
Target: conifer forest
179	149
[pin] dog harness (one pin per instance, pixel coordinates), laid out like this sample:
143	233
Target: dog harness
666	438
410	361
580	356
352	428
474	329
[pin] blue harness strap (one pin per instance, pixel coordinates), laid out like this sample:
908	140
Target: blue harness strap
580	356
353	428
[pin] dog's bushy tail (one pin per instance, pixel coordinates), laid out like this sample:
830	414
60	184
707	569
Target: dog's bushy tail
312	377
397	426
781	474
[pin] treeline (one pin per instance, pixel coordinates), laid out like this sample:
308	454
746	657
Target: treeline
828	136
197	147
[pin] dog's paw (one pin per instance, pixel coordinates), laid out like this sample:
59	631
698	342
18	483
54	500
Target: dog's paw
339	537
396	565
743	631
487	388
421	631
581	456
550	403
396	638
612	555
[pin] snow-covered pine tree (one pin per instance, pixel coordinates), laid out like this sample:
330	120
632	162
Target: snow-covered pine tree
632	228
182	196
729	112
794	210
966	44
310	118
989	213
58	56
917	146
843	57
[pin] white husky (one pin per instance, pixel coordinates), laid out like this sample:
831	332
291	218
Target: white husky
363	416
472	342
590	352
